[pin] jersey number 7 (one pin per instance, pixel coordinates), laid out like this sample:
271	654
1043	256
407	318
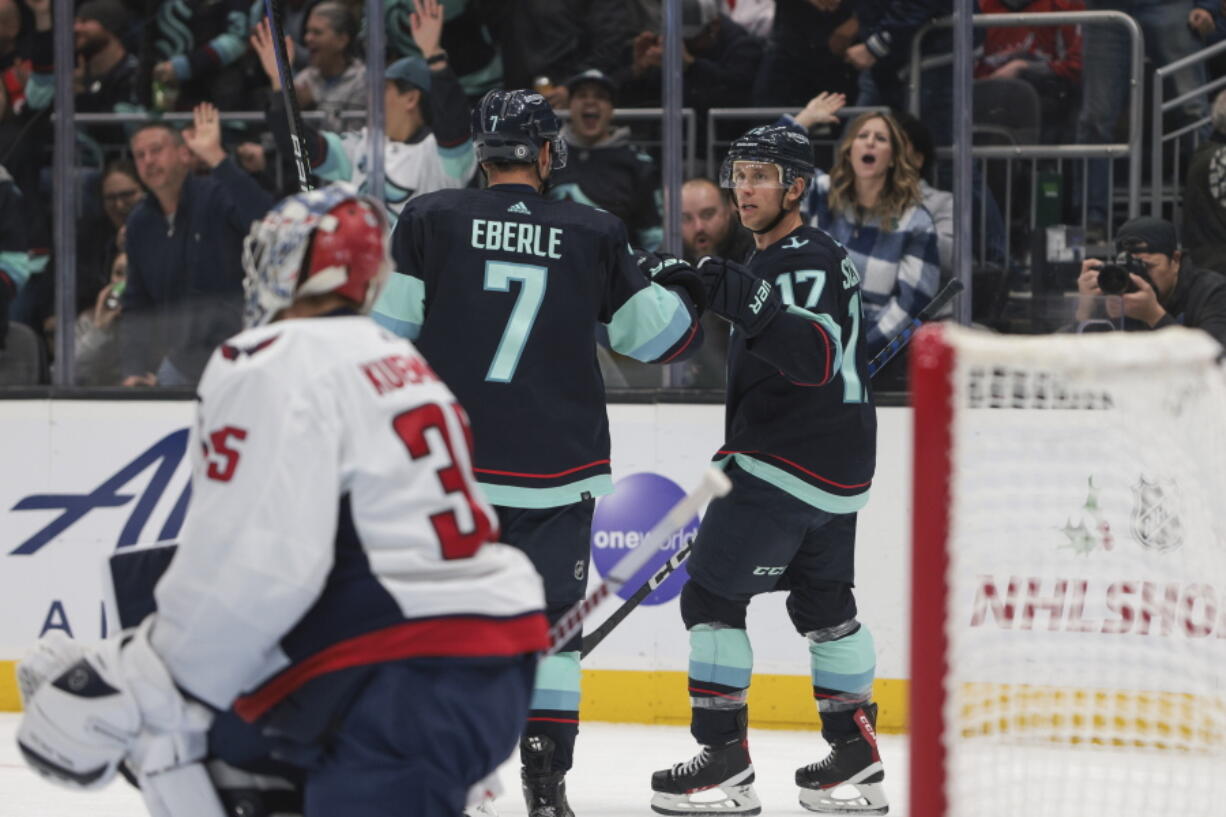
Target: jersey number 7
411	427
498	278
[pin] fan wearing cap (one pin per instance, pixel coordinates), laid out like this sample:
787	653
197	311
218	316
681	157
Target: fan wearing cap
604	168
106	72
428	146
1176	292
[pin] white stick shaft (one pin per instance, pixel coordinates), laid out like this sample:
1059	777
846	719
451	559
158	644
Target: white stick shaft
714	483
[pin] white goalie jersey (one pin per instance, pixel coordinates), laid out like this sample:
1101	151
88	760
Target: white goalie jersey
334	521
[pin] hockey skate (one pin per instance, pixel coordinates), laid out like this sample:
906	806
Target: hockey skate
718	780
848	780
544	787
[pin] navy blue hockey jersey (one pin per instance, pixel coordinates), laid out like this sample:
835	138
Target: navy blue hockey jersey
800	411
503	290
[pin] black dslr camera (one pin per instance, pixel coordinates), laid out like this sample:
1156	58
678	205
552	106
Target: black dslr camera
1115	279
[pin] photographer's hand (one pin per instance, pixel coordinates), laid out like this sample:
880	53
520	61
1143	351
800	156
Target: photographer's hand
1087	288
1143	305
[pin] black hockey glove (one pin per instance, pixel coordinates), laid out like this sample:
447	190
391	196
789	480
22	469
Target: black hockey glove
670	271
737	295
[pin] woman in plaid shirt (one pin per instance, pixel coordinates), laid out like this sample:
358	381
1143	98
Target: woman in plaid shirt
870	202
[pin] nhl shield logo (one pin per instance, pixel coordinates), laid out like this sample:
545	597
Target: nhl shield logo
1155	522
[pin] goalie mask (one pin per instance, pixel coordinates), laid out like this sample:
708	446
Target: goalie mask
321	241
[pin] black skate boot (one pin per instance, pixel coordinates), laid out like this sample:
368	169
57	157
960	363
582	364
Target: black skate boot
544	786
718	780
848	780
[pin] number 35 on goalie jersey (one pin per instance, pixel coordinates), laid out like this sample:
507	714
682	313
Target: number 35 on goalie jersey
334	520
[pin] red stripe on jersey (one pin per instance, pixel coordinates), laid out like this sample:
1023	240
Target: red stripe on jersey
800	468
462	636
540	476
689	339
553	720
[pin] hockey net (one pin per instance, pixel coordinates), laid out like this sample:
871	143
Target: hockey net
1069	575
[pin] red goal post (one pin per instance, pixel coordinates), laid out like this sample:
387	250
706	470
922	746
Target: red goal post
1068	608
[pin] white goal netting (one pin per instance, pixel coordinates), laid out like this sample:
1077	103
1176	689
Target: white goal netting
1082	612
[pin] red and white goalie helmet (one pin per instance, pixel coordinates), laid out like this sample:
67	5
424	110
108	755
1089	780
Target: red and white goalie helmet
328	240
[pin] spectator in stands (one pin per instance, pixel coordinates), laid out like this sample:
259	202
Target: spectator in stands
335	80
470	44
709	224
871	202
106	73
719	60
184	245
100	240
755	16
10	33
883	53
200	43
940	203
1046	57
427	127
97	333
14	251
1105	91
1177	292
293	25
1208	23
603	169
805	54
1204	197
556	39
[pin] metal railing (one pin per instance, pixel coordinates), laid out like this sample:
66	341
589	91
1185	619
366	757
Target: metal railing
1132	149
1158	111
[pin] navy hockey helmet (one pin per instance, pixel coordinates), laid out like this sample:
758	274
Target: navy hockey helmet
511	126
784	147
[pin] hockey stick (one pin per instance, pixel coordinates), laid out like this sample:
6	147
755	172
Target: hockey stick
272	8
714	483
667	569
903	337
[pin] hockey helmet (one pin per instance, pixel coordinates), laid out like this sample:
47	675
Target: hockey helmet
327	240
778	145
511	126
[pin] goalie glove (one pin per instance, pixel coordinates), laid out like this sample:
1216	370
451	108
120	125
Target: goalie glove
671	271
738	296
115	701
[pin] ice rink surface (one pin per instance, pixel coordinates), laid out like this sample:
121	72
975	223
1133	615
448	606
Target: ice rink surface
611	778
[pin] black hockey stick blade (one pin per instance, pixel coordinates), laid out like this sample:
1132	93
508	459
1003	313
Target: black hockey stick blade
590	640
896	344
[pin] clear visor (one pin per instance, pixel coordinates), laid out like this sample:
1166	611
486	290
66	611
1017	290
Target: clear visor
751	174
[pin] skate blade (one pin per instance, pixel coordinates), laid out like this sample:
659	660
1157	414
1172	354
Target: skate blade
849	798
709	803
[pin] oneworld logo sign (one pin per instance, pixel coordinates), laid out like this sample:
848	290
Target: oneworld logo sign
621	522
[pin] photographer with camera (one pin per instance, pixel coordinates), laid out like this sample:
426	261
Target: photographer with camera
1156	287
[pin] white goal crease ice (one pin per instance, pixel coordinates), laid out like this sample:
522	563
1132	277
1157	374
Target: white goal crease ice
1069	575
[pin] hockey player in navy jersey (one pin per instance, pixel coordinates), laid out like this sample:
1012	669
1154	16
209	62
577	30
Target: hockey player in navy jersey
338	582
504	290
800	442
